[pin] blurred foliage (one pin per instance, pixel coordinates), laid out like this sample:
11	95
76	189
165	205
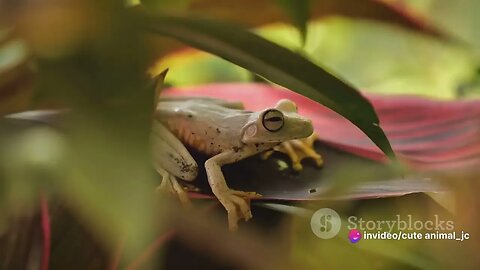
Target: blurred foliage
299	11
89	58
397	61
414	6
15	73
375	57
459	18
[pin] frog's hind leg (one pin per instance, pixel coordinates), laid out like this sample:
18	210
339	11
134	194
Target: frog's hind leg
171	160
170	154
297	150
170	184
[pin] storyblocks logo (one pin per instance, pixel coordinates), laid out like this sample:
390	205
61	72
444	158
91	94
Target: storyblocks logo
326	223
400	224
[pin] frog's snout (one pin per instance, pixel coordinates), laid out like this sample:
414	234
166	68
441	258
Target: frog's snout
304	128
308	127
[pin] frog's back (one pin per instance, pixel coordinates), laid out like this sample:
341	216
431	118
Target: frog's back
206	126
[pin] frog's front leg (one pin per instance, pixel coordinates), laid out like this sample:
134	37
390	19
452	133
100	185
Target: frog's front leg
297	150
237	203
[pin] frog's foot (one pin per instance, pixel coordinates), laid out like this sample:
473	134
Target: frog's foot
297	150
237	204
190	188
170	185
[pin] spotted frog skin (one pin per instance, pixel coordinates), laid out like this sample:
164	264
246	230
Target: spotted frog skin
225	132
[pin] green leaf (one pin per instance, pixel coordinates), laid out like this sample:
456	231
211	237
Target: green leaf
298	10
275	63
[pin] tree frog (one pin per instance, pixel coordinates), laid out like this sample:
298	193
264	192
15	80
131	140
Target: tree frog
227	133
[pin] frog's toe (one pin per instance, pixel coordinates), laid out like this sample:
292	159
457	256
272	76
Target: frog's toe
297	166
307	151
299	149
237	204
242	200
246	194
265	155
319	161
232	212
243	205
170	185
232	218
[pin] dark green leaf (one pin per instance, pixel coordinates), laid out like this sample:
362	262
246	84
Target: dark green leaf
298	10
275	63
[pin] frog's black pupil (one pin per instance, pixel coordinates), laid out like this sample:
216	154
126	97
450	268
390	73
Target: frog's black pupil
274	119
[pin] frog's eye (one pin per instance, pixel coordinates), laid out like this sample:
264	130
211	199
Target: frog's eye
273	120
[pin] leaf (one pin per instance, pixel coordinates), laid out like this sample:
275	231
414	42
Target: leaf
401	62
16	75
298	10
246	12
273	62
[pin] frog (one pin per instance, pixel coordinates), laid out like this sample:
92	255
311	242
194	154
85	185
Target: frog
227	133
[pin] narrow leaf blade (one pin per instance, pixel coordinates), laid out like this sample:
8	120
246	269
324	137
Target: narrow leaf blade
298	10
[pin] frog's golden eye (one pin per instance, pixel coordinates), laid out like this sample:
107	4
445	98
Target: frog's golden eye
273	120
